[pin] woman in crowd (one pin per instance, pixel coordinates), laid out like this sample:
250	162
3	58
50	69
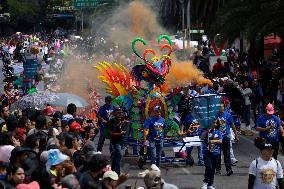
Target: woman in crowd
15	176
72	143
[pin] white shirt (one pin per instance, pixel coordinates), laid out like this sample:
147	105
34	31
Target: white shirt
45	50
266	173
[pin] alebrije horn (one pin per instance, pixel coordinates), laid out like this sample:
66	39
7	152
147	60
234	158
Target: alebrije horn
133	46
165	37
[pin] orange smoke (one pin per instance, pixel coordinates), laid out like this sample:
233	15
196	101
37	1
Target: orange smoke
184	73
136	19
78	77
143	20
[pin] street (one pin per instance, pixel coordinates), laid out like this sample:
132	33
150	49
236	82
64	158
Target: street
186	177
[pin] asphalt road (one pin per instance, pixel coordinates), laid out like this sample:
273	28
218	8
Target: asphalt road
186	177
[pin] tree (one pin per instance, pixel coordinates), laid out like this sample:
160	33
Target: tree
254	18
23	15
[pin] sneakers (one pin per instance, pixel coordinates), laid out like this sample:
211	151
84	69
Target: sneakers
248	127
204	185
234	162
230	172
210	187
200	163
218	172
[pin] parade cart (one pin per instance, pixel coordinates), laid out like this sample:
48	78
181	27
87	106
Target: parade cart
177	146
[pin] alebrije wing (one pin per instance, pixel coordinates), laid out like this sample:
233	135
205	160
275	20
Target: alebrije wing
115	77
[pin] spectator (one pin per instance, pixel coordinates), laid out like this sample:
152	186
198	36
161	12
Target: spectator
15	176
70	182
153	179
71	112
247	92
265	171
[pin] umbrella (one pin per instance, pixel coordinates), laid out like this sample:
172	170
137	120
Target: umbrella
37	100
67	98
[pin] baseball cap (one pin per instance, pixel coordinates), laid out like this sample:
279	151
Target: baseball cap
108	98
267	146
269	109
48	110
76	126
110	174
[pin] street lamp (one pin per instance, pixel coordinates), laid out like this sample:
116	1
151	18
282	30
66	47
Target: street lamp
182	3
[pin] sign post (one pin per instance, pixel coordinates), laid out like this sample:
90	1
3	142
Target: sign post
81	4
84	4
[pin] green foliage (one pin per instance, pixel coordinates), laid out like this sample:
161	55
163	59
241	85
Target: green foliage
22	14
256	18
53	3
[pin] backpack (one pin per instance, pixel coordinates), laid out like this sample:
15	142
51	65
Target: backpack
256	163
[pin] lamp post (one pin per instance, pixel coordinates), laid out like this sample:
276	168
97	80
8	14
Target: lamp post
183	42
188	23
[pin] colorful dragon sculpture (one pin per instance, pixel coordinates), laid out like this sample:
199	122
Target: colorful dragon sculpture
127	89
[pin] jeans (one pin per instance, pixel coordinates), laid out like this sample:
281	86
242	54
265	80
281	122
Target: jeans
225	147
200	153
210	161
116	158
275	146
156	152
281	141
247	114
102	141
135	149
257	110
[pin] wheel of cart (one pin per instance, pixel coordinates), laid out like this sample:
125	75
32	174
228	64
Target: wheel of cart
145	154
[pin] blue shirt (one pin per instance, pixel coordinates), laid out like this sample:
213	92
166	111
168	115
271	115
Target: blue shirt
213	134
156	128
105	112
189	123
273	122
225	119
236	120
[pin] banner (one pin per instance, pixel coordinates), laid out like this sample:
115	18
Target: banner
30	68
205	108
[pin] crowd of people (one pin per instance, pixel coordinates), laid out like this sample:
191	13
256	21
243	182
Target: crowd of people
51	149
